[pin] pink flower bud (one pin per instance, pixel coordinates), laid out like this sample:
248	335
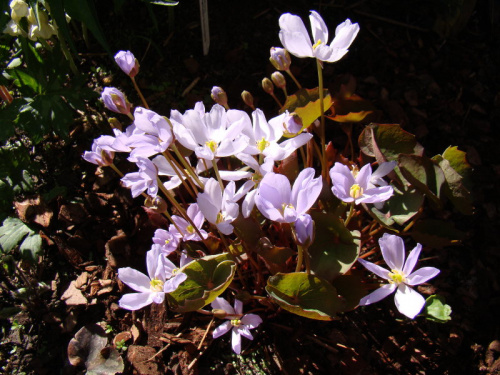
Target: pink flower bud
280	58
219	96
128	63
115	100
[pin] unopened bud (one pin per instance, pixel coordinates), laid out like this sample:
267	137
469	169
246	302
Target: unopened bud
293	123
219	313
267	85
279	80
115	123
247	98
219	96
157	204
128	63
280	58
115	100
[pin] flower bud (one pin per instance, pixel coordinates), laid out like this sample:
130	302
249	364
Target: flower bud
304	227
267	85
292	123
247	98
219	96
280	58
115	123
219	313
157	204
279	80
115	100
128	63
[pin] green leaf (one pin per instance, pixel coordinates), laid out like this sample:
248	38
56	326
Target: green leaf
304	295
386	141
424	175
305	103
335	248
404	204
436	310
351	108
458	161
436	233
31	248
207	278
12	232
455	190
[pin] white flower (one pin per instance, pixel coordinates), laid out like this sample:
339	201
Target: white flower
296	40
401	277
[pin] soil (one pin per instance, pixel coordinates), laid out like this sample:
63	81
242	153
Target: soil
440	82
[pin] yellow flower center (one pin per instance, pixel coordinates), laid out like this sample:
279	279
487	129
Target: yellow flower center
212	145
284	206
220	218
235	322
175	271
190	228
397	277
317	44
262	144
356	191
156	285
256	177
167	242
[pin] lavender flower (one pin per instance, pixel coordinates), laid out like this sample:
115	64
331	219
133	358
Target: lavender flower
128	63
167	241
277	201
354	186
280	58
237	322
188	232
304	228
296	39
99	155
401	278
145	179
162	278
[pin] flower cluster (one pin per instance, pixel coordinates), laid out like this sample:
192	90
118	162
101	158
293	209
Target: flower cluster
230	167
39	26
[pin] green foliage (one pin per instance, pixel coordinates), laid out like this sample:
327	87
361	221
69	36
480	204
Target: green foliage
13	232
305	295
436	309
335	248
207	278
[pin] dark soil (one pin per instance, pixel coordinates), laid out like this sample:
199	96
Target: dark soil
441	86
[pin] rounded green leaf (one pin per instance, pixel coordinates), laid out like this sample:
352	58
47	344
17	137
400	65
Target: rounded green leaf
436	309
335	248
304	295
207	278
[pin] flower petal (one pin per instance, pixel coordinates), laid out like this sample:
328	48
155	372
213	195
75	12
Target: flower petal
393	251
238	306
221	304
222	329
236	341
243	330
134	279
294	36
377	270
318	27
412	259
378	294
135	301
408	301
251	320
422	275
173	283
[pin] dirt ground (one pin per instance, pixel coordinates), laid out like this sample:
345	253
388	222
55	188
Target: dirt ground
439	79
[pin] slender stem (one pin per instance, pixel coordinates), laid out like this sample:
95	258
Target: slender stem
351	214
276	99
143	100
322	120
184	172
113	167
293	78
216	170
178	173
187	166
181	210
